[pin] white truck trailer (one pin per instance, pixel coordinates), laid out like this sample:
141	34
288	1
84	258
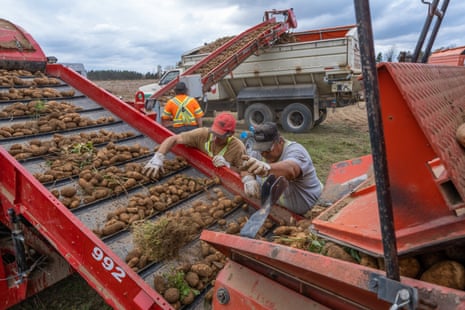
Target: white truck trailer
292	83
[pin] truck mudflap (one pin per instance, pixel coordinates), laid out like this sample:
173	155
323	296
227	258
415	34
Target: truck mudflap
323	281
421	106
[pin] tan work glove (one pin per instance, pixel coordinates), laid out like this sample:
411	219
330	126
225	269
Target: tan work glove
255	166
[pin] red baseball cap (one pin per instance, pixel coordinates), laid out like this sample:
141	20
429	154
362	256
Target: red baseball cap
224	123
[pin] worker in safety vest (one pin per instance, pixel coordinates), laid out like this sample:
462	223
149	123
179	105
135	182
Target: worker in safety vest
218	142
182	112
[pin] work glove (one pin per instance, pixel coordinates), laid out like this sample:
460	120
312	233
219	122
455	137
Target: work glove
255	166
251	186
219	161
154	166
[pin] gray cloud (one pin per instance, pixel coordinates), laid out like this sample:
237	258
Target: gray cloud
139	35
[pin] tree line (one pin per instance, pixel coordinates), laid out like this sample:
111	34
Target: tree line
119	75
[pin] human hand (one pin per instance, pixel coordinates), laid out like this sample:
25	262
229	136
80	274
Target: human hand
220	161
251	186
154	166
255	166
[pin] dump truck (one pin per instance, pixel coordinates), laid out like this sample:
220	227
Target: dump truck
293	82
390	205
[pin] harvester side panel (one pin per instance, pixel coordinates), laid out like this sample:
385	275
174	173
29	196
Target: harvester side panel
422	106
328	281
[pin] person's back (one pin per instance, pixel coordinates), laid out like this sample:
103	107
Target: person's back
182	112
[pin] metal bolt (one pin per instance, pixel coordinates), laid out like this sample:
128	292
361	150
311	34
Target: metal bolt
222	295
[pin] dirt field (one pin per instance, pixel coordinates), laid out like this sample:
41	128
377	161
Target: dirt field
342	136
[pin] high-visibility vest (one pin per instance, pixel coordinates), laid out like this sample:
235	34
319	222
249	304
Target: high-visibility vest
183	115
208	146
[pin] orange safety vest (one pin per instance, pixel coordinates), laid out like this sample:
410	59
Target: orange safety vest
183	115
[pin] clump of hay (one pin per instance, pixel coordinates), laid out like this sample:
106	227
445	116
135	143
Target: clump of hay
161	239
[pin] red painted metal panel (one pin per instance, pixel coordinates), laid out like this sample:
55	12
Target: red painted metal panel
102	269
323	34
247	289
421	105
328	281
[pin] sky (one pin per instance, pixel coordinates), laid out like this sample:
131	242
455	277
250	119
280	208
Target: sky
140	35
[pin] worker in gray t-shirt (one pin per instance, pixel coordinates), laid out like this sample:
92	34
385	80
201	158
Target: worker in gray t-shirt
272	154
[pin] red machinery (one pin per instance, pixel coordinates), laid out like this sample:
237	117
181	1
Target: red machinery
427	189
245	44
415	205
41	240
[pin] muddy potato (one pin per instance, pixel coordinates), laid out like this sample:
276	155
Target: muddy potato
159	283
446	273
233	228
192	279
111	229
133	262
136	252
203	270
171	295
460	135
68	191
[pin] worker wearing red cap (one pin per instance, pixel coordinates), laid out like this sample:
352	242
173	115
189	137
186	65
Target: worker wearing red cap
218	142
182	112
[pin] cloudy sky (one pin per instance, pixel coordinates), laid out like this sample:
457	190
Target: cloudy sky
138	35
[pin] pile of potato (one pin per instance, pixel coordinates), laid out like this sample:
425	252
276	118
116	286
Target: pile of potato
34	93
445	267
164	237
38	107
180	286
158	198
83	157
232	50
52	122
61	144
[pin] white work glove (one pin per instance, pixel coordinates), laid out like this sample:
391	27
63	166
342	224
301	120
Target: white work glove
154	166
219	161
251	186
255	166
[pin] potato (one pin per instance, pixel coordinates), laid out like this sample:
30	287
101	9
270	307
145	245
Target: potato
136	252
460	135
68	191
446	273
202	270
171	295
192	279
111	229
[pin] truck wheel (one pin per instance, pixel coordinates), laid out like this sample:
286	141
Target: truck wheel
296	118
322	118
257	114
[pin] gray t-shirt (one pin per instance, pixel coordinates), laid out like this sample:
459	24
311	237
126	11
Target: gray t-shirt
304	191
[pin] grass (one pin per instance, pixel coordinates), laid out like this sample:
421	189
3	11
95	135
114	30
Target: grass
328	144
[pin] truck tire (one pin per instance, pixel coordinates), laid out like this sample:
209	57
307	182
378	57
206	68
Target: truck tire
322	118
257	114
297	118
